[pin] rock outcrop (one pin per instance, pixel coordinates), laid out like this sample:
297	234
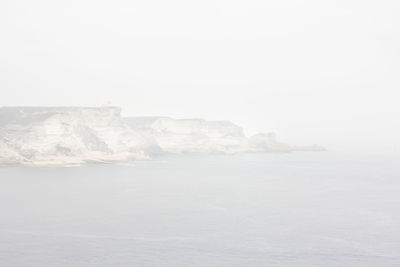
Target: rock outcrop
74	135
69	135
192	135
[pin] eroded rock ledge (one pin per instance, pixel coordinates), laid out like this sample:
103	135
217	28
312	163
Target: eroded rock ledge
75	135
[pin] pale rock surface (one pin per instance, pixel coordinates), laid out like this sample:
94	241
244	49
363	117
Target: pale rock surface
67	135
74	135
192	135
267	142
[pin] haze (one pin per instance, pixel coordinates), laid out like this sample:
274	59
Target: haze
322	72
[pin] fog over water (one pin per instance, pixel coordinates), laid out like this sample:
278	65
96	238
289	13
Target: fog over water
299	209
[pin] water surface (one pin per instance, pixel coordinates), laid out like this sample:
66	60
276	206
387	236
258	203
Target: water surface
299	209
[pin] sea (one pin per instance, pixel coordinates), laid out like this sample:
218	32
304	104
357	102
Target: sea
295	209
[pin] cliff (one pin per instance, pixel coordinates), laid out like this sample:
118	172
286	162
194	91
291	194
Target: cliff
66	135
73	135
192	135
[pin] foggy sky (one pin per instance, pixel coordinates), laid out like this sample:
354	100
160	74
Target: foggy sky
323	72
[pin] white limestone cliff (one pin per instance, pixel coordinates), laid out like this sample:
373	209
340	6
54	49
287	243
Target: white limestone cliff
192	135
69	135
74	135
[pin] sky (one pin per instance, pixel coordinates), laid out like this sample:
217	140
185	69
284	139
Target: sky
324	72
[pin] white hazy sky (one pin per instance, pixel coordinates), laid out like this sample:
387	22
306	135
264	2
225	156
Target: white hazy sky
324	72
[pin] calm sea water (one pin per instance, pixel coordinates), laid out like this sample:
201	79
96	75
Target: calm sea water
300	209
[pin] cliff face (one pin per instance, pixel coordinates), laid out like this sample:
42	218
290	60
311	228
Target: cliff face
192	135
267	143
69	135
